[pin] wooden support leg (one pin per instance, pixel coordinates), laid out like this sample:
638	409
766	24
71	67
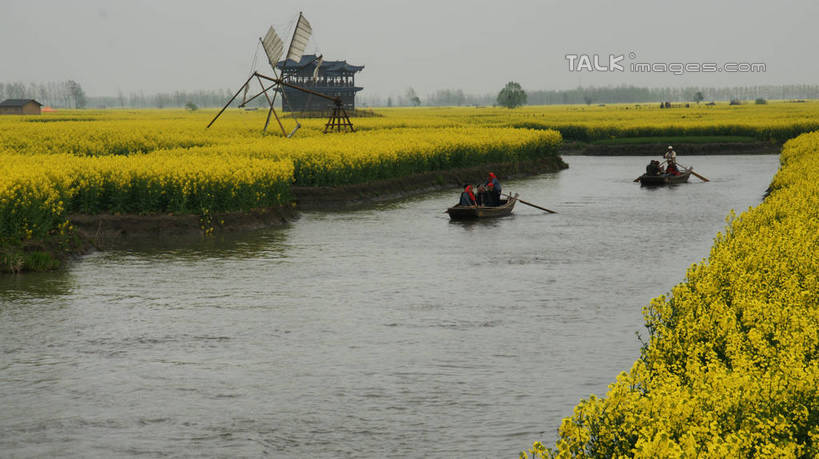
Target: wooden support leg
228	103
267	121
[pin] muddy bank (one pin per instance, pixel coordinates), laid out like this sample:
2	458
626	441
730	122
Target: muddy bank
657	149
352	196
106	230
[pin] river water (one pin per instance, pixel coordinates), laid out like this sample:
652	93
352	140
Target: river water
383	332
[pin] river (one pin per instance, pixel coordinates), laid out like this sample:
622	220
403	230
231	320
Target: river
383	332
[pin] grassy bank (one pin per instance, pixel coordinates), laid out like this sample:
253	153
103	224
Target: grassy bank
730	368
675	140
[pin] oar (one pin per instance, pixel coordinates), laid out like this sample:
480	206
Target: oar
700	177
533	205
691	169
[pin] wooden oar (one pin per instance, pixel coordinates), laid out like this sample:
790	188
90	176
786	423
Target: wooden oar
533	205
691	169
700	176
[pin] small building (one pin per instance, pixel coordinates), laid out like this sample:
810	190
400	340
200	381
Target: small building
20	107
334	78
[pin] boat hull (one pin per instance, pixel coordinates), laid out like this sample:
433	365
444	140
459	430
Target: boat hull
660	180
475	212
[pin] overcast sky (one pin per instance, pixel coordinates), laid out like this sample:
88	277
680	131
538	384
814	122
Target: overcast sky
476	46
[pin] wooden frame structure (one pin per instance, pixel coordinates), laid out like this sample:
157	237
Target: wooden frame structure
274	47
339	120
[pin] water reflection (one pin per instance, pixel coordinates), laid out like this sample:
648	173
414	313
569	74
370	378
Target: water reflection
17	287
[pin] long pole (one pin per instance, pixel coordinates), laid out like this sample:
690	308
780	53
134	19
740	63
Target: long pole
264	91
272	109
533	205
230	101
300	88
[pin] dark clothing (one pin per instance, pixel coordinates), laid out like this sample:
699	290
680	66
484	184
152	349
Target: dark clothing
467	199
652	169
491	198
482	198
493	193
494	197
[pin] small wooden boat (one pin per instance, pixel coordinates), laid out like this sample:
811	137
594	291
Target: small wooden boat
460	212
665	179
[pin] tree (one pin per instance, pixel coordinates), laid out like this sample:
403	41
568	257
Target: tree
413	98
76	93
191	106
512	95
698	97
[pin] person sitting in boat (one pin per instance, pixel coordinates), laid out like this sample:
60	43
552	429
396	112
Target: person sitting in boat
653	168
482	195
672	169
467	197
494	189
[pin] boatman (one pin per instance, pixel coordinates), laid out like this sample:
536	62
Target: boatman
671	156
494	188
467	197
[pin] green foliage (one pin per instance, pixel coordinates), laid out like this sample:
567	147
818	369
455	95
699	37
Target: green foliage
512	95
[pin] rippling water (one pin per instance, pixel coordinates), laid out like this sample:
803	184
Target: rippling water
388	331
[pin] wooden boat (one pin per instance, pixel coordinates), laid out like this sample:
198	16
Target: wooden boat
664	179
460	212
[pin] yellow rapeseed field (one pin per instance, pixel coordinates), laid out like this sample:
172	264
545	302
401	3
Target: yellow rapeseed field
154	161
731	368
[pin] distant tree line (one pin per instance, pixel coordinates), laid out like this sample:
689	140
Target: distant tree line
68	94
599	95
176	99
625	94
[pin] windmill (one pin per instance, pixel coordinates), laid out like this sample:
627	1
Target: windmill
274	48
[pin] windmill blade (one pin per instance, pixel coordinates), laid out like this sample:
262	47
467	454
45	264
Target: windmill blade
319	61
273	46
300	38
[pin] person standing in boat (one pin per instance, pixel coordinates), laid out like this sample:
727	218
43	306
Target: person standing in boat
467	197
671	157
494	189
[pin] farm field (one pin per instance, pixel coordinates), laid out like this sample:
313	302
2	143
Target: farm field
159	162
730	367
165	161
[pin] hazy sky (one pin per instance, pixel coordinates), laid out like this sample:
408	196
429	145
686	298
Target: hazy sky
474	45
